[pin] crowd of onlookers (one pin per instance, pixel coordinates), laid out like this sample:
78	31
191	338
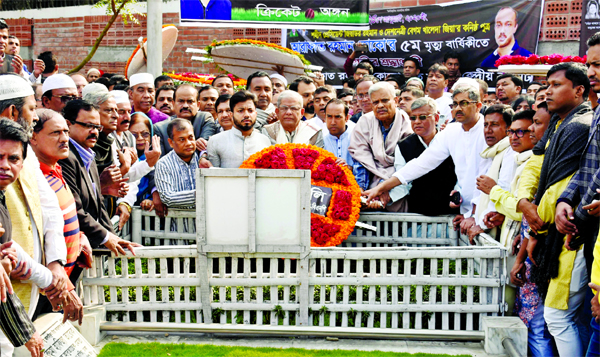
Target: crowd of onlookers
78	152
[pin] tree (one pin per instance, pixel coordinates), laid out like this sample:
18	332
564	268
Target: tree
114	8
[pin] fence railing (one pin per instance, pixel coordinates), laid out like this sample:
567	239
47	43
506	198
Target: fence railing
411	275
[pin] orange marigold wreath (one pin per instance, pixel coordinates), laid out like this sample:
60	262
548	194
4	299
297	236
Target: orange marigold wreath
344	207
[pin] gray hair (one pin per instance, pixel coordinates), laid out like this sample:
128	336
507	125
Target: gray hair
97	97
387	86
421	102
472	92
290	94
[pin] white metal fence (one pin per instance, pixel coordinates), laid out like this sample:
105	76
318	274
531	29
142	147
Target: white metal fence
412	275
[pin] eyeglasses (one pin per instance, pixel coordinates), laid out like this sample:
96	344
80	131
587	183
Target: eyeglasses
144	134
285	108
463	104
90	126
421	117
362	96
519	132
66	98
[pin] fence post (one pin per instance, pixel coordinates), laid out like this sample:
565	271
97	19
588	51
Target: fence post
136	225
303	291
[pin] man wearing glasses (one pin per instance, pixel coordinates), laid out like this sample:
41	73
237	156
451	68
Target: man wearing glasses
462	140
428	195
81	174
58	90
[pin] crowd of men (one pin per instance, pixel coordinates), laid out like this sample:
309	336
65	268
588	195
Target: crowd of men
78	152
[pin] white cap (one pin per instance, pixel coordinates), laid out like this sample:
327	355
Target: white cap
13	86
120	96
280	77
465	82
57	81
93	87
139	78
93	70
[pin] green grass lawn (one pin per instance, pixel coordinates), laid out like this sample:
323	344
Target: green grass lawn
182	349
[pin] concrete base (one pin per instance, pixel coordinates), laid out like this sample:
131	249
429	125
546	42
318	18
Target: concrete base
496	329
93	316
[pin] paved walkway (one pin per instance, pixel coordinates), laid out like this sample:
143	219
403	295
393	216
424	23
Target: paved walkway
432	347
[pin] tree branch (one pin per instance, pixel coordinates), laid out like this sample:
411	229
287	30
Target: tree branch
112	19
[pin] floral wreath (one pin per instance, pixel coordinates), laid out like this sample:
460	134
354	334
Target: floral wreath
344	207
535	59
204	78
255	43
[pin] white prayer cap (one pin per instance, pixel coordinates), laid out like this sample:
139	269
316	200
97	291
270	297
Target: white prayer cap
120	96
93	87
93	70
139	78
14	86
57	81
465	82
280	77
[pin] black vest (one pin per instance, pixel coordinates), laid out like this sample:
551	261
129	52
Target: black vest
430	194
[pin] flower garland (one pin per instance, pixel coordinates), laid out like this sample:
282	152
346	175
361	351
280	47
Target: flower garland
535	59
204	78
256	43
137	49
344	208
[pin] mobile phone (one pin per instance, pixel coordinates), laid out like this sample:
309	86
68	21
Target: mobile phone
361	47
455	198
7	66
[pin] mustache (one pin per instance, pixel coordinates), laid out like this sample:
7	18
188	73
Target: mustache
92	136
7	173
164	106
125	122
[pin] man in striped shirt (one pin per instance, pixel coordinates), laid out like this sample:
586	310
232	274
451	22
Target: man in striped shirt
175	172
50	142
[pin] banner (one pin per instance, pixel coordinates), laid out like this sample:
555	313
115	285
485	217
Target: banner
301	14
476	30
590	23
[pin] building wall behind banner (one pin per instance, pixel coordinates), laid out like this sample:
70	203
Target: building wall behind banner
70	33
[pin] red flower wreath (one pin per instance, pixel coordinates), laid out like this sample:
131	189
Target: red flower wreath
344	208
535	59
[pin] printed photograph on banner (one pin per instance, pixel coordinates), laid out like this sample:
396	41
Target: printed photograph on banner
476	34
590	22
316	14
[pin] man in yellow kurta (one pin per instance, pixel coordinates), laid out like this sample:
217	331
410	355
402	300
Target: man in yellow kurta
556	159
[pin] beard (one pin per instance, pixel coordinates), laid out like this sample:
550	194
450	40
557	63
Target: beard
26	126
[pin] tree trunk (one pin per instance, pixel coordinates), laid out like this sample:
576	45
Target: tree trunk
116	12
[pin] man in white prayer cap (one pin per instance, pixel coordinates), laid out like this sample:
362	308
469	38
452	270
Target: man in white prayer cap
142	93
92	75
58	90
279	85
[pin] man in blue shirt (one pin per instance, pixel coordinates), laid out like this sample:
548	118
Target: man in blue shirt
206	9
337	139
505	28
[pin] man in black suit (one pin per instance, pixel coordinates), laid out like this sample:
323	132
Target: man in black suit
185	106
81	174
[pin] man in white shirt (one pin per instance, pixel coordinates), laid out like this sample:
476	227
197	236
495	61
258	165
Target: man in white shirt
437	81
463	141
497	120
323	95
231	148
